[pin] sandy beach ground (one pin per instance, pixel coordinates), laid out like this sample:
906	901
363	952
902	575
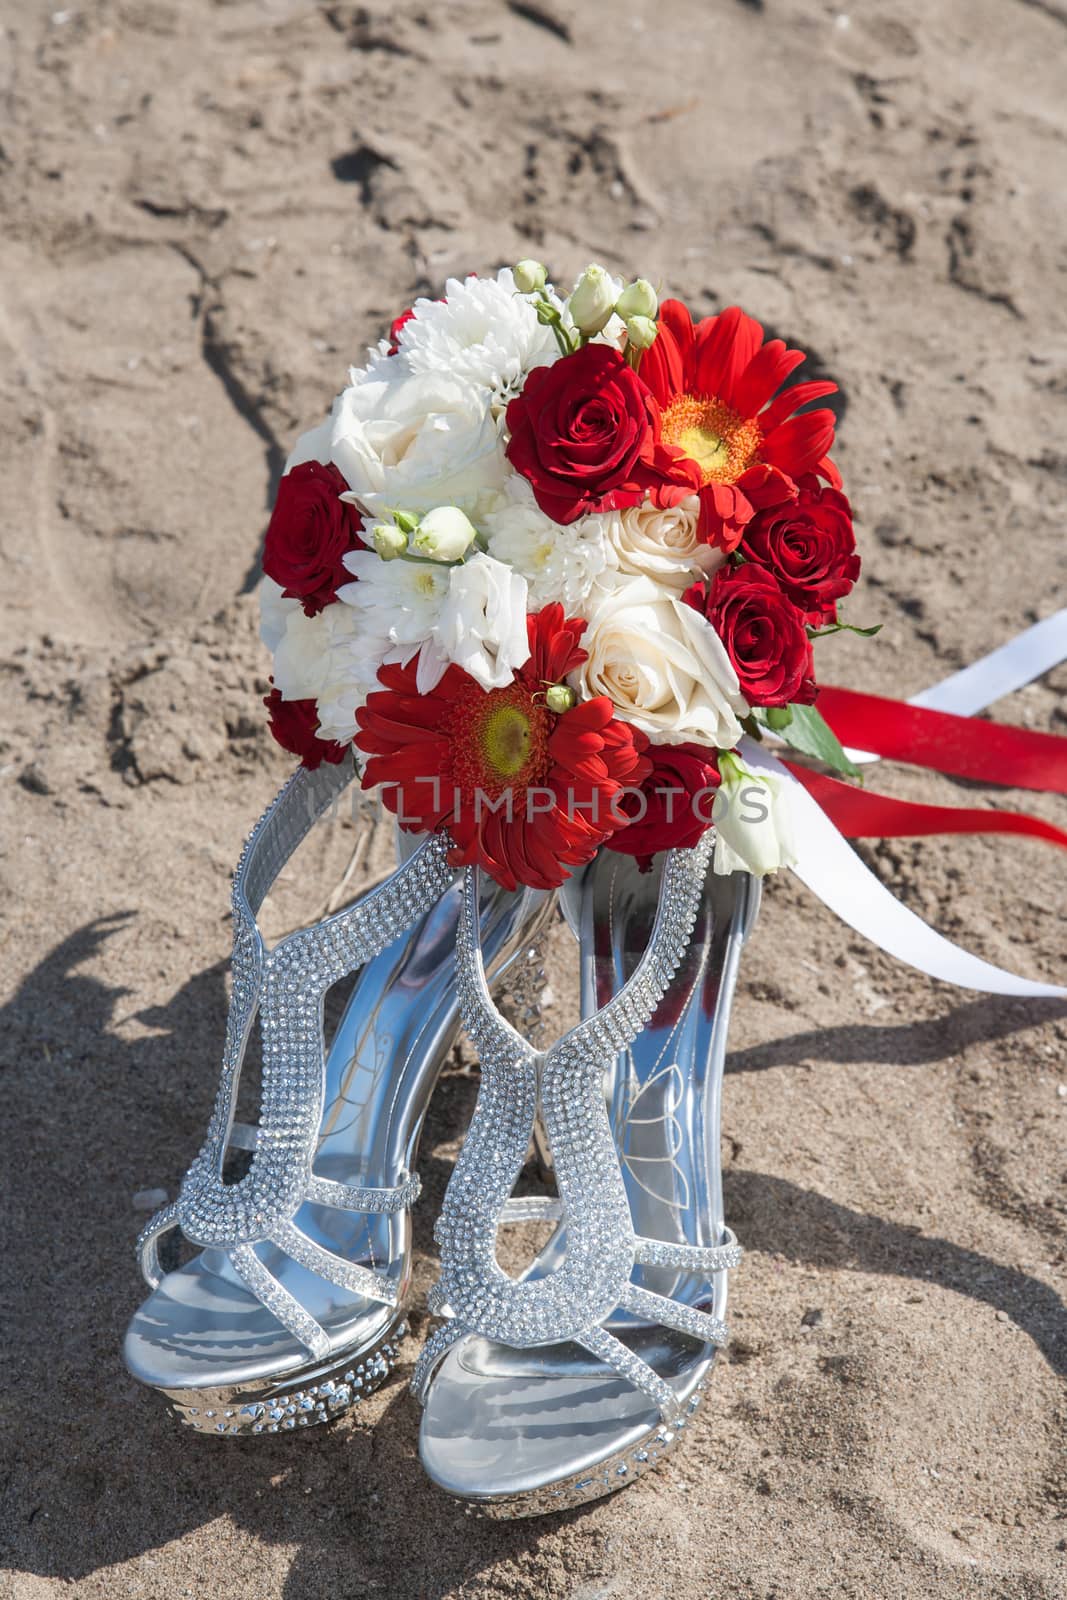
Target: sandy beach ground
208	210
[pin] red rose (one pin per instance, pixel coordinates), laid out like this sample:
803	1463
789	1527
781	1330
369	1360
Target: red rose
583	431
673	808
763	632
310	532
294	723
809	545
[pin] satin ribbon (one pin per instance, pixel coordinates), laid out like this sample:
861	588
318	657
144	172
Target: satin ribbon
836	875
859	814
961	747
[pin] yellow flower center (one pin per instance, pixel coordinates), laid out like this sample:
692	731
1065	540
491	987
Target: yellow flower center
722	444
506	740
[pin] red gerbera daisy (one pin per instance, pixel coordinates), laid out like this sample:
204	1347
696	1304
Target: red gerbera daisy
731	439
525	791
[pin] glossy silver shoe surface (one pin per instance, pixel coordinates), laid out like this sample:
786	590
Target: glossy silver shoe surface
515	1431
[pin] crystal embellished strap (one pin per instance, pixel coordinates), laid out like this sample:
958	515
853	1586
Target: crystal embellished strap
334	1268
704	1259
674	1314
351	1197
148	1243
532	1208
278	1301
431	1355
622	1360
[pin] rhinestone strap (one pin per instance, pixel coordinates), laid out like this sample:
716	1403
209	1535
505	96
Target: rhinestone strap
431	1355
704	1259
335	1269
612	1351
566	1085
532	1208
148	1243
351	1197
278	1301
673	1314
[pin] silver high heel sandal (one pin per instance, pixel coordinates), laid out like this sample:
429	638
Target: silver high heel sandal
545	1392
292	1311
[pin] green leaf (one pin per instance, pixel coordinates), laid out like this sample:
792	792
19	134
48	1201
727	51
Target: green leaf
844	627
812	736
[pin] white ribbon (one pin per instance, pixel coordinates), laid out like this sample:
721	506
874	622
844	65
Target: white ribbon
834	872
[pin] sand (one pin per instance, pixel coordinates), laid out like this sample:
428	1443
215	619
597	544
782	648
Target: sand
208	211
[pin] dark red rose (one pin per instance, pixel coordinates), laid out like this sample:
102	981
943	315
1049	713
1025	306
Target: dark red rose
810	547
674	808
310	532
584	432
293	724
763	632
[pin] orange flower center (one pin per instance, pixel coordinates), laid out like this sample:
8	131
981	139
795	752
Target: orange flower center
722	444
499	738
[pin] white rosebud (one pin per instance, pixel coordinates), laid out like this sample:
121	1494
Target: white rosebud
593	301
638	299
444	534
389	540
641	332
560	697
530	277
753	826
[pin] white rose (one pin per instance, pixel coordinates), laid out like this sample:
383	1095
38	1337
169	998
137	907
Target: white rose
753	821
416	440
481	626
274	612
662	666
662	544
314	445
444	534
592	303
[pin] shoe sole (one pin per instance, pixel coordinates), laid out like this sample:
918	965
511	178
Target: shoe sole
608	1477
308	1397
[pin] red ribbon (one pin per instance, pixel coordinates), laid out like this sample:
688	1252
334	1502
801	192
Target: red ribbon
858	814
961	747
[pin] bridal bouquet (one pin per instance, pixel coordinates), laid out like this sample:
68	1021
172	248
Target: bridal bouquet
547	560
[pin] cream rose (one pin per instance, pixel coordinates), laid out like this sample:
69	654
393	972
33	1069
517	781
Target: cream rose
662	666
663	544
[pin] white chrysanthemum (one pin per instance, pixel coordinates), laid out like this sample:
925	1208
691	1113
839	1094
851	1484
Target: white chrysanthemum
337	706
315	653
662	544
483	331
398	600
559	564
472	614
